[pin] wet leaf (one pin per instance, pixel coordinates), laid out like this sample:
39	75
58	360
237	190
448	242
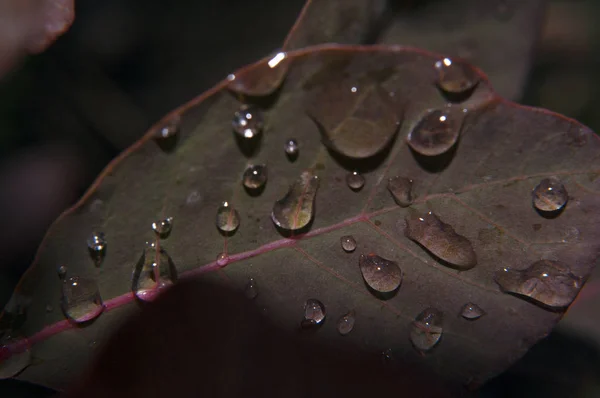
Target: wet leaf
482	188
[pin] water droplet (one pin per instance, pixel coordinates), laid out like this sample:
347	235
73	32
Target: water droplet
166	136
346	323
546	282
62	271
472	311
222	259
436	132
440	239
13	357
153	272
262	78
314	313
550	195
81	299
348	243
355	181
291	148
163	227
455	77
97	246
296	209
248	121
383	276
387	356
193	198
426	329
255	177
251	290
401	190
228	219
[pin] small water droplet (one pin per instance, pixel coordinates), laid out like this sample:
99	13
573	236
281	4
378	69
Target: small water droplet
291	148
436	132
426	329
355	181
13	357
314	313
401	190
440	239
546	282
255	177
550	195
222	259
348	243
228	219
61	271
455	77
251	290
162	228
387	356
296	209
248	121
166	136
153	272
81	299
472	311
381	275
346	323
97	247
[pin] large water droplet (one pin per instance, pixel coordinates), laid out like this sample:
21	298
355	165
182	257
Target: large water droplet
260	79
81	299
248	121
455	77
346	323
153	272
255	177
550	195
251	289
166	136
314	313
97	247
163	227
471	311
291	148
296	209
546	282
381	275
436	132
13	358
401	190
426	329
228	219
440	239
61	271
355	181
348	243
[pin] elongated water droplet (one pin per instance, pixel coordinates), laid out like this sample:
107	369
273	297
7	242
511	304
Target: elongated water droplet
550	195
346	323
472	311
348	243
436	132
97	247
166	137
440	239
81	299
455	77
261	79
255	177
61	271
426	329
381	275
314	313
153	272
291	148
228	219
248	121
401	190
546	282
162	228
251	290
296	209
14	357
355	181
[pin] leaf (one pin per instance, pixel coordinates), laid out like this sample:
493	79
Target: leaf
481	188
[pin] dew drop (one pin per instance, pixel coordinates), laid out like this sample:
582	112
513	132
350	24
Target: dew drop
255	177
153	272
437	132
296	209
348	243
13	357
251	289
381	275
291	148
222	259
346	323
61	271
440	239
81	301
472	311
97	247
314	313
455	77
166	136
162	228
355	181
401	190
426	329
228	219
550	195
546	282
248	121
